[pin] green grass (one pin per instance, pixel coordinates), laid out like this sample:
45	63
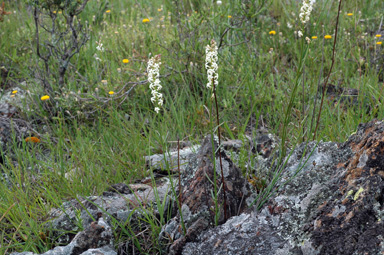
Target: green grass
105	137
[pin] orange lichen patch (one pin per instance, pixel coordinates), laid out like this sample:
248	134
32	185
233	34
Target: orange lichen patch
345	201
353	147
355	160
372	172
350	216
32	139
353	174
322	205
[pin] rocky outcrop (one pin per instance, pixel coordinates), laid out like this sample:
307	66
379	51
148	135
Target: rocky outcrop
329	199
120	203
97	239
199	210
333	204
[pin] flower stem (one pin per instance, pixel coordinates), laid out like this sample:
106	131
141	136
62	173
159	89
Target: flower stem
180	205
221	164
330	71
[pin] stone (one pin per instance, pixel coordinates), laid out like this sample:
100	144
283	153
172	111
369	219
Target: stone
96	239
170	160
121	207
198	206
329	200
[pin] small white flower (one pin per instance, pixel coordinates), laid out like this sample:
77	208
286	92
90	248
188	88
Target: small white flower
289	25
100	47
299	33
218	2
308	40
96	57
154	82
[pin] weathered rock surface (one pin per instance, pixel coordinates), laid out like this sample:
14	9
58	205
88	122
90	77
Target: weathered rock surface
160	161
97	239
329	200
198	206
119	203
334	204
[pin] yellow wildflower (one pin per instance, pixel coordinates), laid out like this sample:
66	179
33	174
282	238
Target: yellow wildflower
43	98
229	17
159	10
273	32
111	92
14	92
145	20
125	61
328	37
108	11
378	36
314	37
379	43
350	14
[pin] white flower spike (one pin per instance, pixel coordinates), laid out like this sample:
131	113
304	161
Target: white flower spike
154	82
306	10
211	65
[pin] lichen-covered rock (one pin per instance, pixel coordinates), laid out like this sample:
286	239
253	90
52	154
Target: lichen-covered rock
198	206
170	159
333	204
97	239
115	203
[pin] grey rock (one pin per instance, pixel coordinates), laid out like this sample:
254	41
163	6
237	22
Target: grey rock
329	200
170	159
196	199
79	213
96	239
